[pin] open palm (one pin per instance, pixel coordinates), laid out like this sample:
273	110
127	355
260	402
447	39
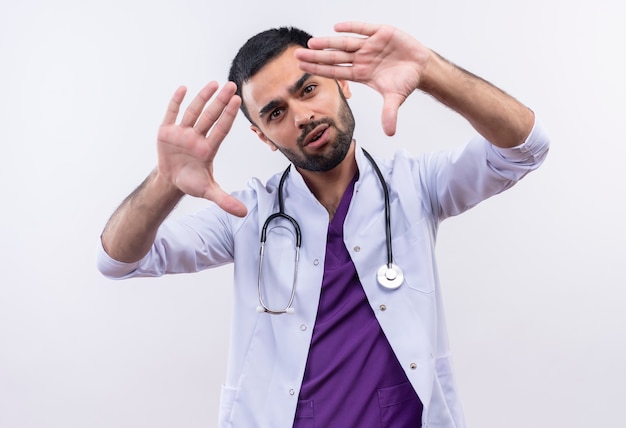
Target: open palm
186	151
386	59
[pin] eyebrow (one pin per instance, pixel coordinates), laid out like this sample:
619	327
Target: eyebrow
292	90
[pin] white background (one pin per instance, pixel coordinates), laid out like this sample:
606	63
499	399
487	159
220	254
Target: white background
533	279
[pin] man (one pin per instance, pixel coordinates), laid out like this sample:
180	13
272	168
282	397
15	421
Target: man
322	343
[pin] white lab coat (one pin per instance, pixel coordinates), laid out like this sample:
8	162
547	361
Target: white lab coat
268	353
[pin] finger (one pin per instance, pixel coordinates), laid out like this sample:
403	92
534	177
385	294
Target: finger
233	206
200	183
227	202
389	117
357	27
323	56
214	110
225	122
197	104
330	71
340	43
201	147
174	106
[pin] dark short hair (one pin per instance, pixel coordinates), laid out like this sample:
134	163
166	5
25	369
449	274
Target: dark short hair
261	49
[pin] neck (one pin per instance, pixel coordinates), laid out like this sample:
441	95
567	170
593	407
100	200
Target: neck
329	186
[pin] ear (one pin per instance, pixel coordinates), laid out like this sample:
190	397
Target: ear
344	88
263	138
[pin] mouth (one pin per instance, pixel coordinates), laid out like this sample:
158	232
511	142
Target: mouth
316	135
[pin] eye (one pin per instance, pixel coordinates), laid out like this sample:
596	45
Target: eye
308	89
275	114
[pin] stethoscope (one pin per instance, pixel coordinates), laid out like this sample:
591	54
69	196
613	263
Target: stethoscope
389	275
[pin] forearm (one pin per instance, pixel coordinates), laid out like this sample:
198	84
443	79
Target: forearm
497	116
130	232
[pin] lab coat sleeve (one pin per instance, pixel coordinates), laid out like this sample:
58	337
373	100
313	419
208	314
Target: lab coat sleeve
458	180
188	244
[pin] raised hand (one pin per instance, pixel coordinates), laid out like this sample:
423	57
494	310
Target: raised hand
386	59
186	151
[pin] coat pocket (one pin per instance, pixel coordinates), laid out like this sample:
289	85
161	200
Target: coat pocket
413	253
305	415
400	407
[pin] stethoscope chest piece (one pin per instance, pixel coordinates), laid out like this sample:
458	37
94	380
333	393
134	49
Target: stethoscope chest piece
390	276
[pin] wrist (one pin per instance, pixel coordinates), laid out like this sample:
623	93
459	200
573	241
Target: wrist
434	74
164	186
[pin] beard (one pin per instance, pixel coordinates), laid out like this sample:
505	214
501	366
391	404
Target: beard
338	149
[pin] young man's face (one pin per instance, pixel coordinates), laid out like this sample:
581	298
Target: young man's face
306	117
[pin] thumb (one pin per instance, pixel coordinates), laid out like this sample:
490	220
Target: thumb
227	202
391	104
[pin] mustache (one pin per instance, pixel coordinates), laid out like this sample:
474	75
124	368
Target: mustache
311	126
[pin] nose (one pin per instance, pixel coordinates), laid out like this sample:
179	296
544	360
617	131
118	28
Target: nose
302	115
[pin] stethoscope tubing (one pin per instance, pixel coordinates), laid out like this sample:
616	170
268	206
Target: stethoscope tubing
389	276
280	214
383	184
